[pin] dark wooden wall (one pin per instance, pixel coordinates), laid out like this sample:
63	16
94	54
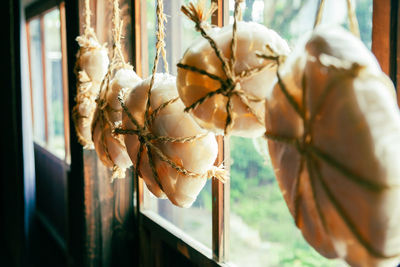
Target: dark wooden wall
11	157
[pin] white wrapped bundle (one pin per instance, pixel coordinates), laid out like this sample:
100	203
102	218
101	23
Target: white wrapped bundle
192	85
195	156
110	147
91	67
338	168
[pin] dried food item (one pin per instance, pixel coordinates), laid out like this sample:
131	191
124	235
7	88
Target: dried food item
181	153
91	67
334	129
110	146
221	80
251	79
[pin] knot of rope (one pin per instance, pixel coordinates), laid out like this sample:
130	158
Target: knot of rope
231	85
146	138
310	155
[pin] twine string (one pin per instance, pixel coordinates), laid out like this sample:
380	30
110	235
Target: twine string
311	155
231	85
351	13
351	16
87	15
146	138
117	62
88	31
320	11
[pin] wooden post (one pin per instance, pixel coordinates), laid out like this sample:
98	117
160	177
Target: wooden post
220	191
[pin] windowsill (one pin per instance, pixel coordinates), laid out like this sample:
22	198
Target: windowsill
175	237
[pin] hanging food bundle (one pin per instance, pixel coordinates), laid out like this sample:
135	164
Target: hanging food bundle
334	139
176	155
172	154
225	90
91	66
109	146
120	77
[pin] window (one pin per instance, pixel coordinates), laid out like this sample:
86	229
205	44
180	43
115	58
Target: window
244	222
47	65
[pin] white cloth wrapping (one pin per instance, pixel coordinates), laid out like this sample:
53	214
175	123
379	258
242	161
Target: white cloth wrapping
358	126
126	79
92	65
196	156
211	115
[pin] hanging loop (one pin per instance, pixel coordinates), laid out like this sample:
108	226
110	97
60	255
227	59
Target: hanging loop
351	15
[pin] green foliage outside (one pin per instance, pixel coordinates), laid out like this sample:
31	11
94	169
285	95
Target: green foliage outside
256	198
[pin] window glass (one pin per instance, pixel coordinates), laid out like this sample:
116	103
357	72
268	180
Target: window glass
47	82
35	49
54	87
262	231
180	33
293	18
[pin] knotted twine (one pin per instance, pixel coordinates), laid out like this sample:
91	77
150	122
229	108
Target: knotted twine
231	85
310	155
117	62
146	138
84	83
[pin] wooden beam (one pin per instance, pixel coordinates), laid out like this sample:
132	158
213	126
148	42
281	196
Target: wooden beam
220	191
43	51
28	41
65	88
384	35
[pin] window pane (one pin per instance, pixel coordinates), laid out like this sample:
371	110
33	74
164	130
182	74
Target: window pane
262	231
54	86
37	81
196	221
292	18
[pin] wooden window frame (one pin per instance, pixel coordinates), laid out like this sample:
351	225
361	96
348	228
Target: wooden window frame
385	46
38	11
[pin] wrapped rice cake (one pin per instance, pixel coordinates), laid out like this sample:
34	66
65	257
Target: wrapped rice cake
253	78
335	147
196	156
110	147
91	67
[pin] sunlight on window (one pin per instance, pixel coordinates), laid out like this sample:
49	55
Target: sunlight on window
55	112
47	87
37	81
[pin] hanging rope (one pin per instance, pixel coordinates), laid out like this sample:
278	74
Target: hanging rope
320	10
351	15
231	85
87	16
312	155
146	138
117	62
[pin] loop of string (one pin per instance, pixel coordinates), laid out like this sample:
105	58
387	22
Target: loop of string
145	137
310	155
231	85
88	31
351	15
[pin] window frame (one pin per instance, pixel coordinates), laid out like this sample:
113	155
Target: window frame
38	11
386	48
